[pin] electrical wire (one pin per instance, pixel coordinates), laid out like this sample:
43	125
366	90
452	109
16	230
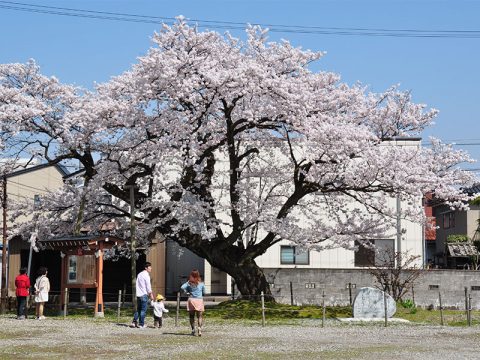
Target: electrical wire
229	25
28	187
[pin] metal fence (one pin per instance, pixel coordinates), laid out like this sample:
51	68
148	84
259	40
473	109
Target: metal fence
259	307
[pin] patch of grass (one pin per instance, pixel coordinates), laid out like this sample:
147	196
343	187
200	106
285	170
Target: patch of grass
252	310
433	317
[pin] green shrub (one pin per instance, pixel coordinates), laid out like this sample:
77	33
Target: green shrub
457	238
407	304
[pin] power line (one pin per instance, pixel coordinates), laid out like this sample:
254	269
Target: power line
229	25
455	144
28	186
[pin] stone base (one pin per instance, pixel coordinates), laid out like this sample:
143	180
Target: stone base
99	314
376	320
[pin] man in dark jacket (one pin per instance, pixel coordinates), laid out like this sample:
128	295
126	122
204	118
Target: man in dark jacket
22	283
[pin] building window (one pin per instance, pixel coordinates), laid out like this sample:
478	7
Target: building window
293	255
365	255
380	252
36	201
449	220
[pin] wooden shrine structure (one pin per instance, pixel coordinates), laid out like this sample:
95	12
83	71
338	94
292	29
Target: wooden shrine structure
82	263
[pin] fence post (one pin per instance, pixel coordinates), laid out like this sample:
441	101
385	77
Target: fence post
385	307
350	292
233	290
65	301
441	308
28	306
291	293
119	305
178	308
124	293
323	308
413	297
470	309
466	303
263	308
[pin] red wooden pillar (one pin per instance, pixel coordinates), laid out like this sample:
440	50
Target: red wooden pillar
99	298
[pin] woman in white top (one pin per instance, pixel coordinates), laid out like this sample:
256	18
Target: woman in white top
42	287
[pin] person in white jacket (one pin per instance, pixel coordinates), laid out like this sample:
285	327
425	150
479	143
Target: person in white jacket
158	310
42	287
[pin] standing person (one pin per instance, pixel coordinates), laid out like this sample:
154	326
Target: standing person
158	310
22	284
144	292
42	287
195	289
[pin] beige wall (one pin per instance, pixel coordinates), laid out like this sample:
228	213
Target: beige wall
473	215
23	188
156	256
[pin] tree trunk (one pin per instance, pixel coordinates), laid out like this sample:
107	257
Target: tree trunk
236	262
250	281
248	276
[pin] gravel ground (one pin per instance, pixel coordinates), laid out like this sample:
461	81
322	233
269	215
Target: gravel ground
55	338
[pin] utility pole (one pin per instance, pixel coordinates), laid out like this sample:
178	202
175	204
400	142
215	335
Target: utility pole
133	245
399	232
4	249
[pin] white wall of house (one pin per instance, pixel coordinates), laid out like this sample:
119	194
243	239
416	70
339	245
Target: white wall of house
340	258
412	241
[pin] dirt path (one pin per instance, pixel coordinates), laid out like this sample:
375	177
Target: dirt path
99	339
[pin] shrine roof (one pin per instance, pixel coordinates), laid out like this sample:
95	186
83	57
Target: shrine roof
80	241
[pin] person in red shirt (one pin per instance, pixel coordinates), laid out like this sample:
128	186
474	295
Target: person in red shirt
22	283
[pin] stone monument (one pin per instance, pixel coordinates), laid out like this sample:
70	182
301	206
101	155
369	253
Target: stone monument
369	303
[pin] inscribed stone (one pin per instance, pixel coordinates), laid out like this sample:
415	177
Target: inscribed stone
369	304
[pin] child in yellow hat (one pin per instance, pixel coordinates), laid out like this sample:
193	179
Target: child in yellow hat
158	310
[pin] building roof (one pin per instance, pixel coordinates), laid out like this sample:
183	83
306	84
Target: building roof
475	189
80	241
61	169
462	250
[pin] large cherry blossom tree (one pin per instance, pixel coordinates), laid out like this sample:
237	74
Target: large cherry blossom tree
232	145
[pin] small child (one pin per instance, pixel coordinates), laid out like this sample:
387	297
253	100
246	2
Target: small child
158	310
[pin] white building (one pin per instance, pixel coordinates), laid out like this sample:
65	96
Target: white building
405	236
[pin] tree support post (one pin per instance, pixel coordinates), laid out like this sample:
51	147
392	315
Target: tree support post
119	305
178	309
441	308
470	310
263	309
323	308
385	307
65	302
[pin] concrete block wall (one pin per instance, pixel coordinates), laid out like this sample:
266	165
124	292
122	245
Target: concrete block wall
307	286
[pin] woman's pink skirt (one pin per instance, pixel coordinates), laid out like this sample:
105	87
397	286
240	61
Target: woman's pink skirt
195	304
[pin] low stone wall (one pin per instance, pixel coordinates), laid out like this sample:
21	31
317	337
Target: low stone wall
307	286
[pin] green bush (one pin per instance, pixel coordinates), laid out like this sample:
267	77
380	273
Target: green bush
457	238
407	304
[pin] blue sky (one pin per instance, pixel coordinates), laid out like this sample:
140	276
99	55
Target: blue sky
441	72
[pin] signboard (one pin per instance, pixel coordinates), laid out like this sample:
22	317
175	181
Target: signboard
81	270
